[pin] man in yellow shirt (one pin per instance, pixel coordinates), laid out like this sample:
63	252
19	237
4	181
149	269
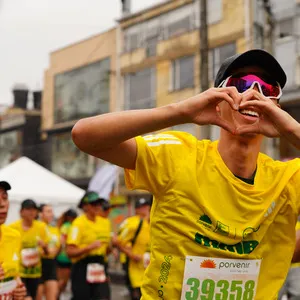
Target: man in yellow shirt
223	216
11	286
87	245
134	242
34	239
48	284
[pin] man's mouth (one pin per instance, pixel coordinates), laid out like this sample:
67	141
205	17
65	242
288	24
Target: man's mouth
249	113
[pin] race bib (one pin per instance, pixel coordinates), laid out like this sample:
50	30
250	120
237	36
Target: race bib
95	273
6	289
30	257
219	279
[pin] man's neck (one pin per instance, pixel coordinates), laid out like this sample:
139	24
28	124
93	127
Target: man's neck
240	155
91	217
27	223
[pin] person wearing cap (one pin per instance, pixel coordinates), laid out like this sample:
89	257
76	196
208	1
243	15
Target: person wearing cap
48	285
133	240
11	286
224	214
87	245
35	238
63	261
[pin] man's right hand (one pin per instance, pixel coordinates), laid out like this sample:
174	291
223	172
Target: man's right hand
203	109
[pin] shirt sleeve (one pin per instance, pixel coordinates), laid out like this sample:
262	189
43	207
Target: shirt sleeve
74	235
159	157
127	233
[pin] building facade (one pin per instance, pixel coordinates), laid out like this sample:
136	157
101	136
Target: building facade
152	58
20	128
80	82
287	50
160	58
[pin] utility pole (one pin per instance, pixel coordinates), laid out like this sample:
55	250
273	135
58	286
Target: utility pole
270	146
203	38
269	27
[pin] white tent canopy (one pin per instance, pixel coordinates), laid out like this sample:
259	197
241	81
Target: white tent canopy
30	180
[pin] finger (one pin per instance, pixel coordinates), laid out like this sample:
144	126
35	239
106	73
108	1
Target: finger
253	94
222	96
233	93
254	103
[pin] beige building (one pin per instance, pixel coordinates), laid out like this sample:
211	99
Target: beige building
150	59
160	60
80	82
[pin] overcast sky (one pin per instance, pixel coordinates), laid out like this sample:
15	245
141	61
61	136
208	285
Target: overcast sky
31	29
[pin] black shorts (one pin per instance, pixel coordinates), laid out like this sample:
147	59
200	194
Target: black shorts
48	270
31	285
81	289
63	265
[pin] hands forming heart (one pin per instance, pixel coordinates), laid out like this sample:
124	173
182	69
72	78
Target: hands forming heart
203	109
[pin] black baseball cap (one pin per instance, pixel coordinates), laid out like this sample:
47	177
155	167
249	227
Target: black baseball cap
141	202
28	203
5	185
255	57
89	198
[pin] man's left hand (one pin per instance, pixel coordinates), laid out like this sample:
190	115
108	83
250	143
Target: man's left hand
272	122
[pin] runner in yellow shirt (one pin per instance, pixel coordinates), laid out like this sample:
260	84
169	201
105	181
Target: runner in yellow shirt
48	285
34	238
224	215
134	242
63	261
87	245
11	286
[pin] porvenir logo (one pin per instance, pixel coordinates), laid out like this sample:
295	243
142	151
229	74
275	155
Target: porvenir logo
208	263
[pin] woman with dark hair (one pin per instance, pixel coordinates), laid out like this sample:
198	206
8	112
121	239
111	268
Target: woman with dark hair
63	262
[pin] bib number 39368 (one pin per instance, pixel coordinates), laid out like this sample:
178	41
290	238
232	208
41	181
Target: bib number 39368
95	273
219	279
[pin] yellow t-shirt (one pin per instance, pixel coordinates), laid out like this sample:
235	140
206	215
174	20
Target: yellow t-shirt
84	232
29	238
10	243
201	209
136	269
54	240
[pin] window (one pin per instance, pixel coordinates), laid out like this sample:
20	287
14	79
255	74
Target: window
68	161
180	26
217	56
182	73
10	146
82	92
140	89
179	21
286	28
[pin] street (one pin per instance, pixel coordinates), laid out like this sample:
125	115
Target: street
119	292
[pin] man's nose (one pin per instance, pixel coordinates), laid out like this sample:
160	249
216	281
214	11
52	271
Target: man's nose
256	87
